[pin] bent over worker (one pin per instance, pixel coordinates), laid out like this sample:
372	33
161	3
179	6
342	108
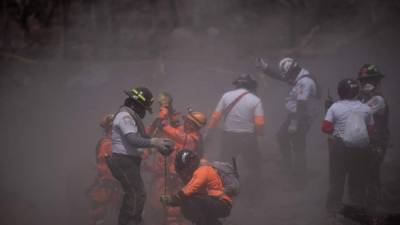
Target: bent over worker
202	200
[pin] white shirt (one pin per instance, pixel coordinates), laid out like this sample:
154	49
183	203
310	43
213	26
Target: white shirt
341	110
241	118
305	89
123	124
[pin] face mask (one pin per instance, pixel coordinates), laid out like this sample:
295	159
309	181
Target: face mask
368	87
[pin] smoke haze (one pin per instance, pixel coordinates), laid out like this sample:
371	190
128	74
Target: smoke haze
52	97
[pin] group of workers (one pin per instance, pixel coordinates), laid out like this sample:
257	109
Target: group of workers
187	186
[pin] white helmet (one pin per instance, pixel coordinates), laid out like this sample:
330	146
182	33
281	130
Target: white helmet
287	64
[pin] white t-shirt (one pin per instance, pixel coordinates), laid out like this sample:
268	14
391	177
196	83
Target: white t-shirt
305	89
241	118
341	110
123	124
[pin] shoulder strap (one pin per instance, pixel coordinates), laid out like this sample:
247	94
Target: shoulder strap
137	120
318	87
229	108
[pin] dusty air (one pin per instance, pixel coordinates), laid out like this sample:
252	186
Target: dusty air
199	112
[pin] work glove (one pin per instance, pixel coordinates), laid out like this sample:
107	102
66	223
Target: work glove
293	126
166	200
164	145
261	64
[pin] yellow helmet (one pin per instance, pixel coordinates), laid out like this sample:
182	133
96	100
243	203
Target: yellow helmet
197	118
106	121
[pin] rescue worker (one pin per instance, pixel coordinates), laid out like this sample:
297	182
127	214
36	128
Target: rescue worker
301	108
243	121
345	161
105	190
202	200
128	139
186	136
370	78
165	100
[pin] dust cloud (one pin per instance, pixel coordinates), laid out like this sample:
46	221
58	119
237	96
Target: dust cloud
52	97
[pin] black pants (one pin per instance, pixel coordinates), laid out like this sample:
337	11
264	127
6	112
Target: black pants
205	210
244	144
345	162
374	180
126	169
293	146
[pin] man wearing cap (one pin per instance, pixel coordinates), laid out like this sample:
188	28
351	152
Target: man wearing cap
242	114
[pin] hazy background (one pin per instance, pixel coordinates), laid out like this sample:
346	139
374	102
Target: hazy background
64	64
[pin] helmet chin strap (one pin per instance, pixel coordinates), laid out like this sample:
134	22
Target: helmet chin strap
140	112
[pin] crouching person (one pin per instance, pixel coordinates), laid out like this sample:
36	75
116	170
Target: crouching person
202	200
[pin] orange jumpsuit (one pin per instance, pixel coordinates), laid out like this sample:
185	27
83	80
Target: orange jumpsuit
206	180
203	200
105	190
182	140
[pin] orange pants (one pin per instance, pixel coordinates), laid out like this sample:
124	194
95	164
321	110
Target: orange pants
103	193
172	215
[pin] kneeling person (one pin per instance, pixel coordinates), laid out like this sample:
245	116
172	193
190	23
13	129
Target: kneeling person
202	199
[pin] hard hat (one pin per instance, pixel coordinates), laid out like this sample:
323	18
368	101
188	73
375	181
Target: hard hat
197	118
186	159
348	89
287	64
106	121
245	81
370	71
143	96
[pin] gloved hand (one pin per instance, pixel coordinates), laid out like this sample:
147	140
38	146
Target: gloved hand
164	145
292	129
166	199
261	64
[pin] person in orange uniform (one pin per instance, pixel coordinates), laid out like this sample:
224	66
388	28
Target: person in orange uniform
202	200
105	190
186	136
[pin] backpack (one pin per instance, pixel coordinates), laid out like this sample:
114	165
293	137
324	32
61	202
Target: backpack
355	133
229	177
